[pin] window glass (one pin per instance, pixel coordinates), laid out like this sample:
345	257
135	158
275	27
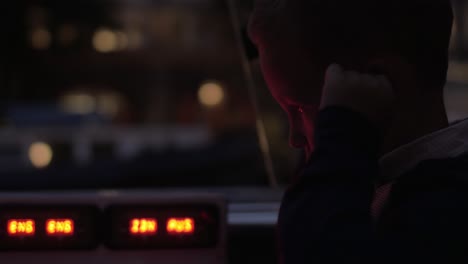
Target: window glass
125	94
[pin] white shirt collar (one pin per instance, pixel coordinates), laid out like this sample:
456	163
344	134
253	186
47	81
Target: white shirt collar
446	143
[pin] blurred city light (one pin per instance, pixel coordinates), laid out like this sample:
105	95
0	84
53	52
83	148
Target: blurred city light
67	34
105	41
41	39
108	104
78	103
40	154
37	15
211	94
122	40
135	39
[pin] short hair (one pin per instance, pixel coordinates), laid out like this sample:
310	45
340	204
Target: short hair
417	30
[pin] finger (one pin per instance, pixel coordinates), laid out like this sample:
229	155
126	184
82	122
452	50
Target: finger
383	81
370	80
334	74
335	68
352	78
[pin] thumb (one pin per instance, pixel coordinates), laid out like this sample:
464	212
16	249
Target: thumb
333	74
334	78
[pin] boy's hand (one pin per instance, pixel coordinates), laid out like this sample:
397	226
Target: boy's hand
370	95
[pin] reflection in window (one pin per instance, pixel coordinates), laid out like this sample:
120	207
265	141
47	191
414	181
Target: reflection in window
141	93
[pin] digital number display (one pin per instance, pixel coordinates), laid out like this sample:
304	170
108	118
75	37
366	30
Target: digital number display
163	226
60	227
119	227
180	226
21	227
43	227
143	226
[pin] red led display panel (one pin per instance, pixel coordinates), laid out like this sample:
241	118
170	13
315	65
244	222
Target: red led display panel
21	227
60	227
143	226
180	226
146	227
48	227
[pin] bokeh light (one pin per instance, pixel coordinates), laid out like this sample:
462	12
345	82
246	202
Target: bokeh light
41	39
67	34
135	39
78	103
40	154
122	40
105	41
211	94
108	104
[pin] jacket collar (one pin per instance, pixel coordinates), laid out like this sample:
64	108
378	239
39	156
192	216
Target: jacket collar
446	143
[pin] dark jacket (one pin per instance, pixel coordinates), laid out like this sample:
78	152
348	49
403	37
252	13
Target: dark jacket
326	214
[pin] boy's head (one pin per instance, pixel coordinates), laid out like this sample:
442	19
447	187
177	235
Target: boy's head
298	39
